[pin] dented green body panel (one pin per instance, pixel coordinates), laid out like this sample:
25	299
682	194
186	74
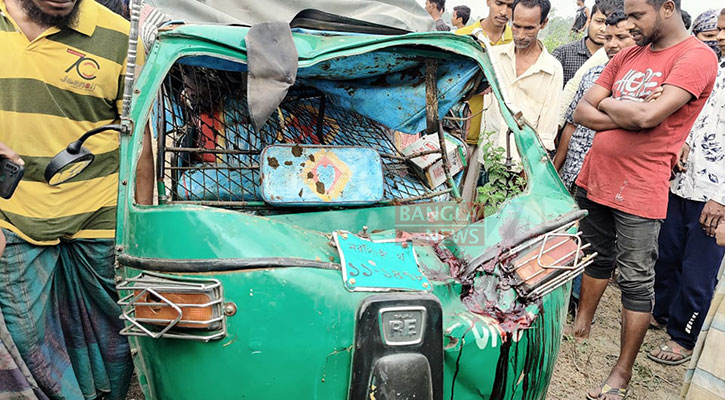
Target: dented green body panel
293	333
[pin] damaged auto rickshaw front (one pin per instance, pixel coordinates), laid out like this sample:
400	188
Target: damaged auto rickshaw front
299	250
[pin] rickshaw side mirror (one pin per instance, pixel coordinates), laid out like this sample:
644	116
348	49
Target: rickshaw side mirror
70	162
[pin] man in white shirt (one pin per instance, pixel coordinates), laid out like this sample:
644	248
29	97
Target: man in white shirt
531	77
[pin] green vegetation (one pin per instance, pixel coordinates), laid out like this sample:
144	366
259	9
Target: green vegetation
558	31
502	182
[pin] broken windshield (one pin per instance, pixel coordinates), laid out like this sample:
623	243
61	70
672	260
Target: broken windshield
211	154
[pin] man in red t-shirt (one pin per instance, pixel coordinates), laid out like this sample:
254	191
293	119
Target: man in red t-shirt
623	183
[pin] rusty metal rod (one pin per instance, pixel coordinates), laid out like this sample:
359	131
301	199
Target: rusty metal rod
431	95
321	120
416	198
217	167
221	203
433	121
509	160
211	151
410	157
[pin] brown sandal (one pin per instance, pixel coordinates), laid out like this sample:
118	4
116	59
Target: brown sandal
665	349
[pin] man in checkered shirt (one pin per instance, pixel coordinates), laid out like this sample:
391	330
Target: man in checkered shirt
573	55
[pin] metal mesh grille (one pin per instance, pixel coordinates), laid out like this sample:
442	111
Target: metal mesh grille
209	151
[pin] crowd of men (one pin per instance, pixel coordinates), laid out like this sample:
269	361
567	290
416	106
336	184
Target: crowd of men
459	18
632	114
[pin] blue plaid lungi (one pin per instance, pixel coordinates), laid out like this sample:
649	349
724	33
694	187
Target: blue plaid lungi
59	307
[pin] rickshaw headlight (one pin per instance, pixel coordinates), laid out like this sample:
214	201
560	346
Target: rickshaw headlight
163	306
196	309
544	263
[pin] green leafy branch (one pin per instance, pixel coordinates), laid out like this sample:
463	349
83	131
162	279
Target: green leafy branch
501	183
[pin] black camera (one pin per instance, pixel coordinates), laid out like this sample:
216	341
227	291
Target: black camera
10	176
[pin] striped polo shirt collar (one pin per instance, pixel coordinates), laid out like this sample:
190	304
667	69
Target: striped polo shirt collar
87	18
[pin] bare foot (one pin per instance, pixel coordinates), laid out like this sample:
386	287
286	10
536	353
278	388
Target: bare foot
571	335
580	329
614	387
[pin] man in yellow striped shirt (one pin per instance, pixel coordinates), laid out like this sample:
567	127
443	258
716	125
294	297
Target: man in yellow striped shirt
61	74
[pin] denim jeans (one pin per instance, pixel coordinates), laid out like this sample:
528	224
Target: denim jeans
627	241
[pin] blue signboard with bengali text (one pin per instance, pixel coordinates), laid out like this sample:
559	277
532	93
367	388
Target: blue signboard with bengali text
379	266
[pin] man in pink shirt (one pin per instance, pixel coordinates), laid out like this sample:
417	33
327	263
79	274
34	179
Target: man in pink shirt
624	181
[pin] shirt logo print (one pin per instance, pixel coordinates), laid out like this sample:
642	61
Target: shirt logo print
637	85
86	67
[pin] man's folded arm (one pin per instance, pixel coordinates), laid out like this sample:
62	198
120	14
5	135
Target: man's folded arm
588	114
634	116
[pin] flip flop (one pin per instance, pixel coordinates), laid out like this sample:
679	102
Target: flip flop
664	348
608	390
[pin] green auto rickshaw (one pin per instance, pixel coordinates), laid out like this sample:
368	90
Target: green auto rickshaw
312	235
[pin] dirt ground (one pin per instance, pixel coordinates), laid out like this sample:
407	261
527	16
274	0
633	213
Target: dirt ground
134	392
582	366
585	365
